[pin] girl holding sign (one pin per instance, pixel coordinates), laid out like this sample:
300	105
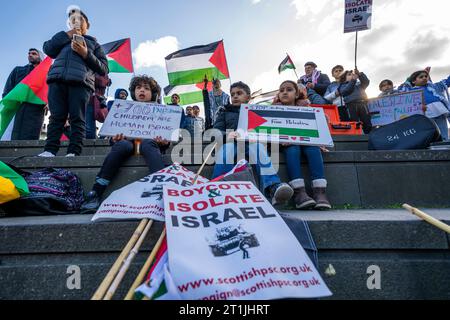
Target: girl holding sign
436	98
289	95
142	89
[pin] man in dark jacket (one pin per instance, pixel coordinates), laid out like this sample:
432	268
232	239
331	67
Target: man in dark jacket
78	57
314	79
30	117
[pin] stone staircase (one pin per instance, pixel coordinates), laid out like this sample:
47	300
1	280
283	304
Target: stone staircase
413	257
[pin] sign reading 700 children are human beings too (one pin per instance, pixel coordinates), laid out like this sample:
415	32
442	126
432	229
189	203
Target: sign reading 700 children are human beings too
142	120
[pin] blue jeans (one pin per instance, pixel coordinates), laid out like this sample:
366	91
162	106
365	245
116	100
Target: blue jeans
257	154
293	156
441	122
91	125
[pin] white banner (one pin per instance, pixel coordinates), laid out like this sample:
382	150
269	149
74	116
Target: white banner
358	15
144	199
226	242
142	120
285	124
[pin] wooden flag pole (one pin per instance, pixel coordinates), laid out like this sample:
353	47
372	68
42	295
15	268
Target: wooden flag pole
148	263
140	278
356	51
100	293
126	265
433	221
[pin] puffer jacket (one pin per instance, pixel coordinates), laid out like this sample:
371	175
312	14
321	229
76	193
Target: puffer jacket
69	67
228	118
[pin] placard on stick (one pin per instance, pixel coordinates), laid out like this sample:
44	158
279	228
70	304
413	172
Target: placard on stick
142	120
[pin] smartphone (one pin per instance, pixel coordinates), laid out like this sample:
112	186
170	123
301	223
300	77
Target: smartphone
79	39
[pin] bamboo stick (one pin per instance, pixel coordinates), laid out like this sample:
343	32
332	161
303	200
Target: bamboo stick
100	293
140	278
149	261
126	265
433	221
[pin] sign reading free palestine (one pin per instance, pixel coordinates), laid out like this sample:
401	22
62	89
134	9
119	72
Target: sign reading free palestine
284	124
226	242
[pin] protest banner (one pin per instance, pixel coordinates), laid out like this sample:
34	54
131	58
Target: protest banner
284	124
226	242
142	120
358	15
144	198
392	108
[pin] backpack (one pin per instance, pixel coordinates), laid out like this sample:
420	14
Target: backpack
414	132
52	192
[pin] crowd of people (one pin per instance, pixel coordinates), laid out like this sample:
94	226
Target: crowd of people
78	79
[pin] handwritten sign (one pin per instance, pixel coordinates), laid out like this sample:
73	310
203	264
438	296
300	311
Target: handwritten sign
392	108
358	15
142	120
285	124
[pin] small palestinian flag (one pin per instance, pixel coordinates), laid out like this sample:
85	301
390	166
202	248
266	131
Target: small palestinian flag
287	63
32	89
119	56
286	123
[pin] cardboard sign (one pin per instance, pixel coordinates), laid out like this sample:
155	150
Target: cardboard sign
144	199
142	120
392	108
358	15
284	124
226	242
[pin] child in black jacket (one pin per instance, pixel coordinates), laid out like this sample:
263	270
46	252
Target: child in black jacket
78	57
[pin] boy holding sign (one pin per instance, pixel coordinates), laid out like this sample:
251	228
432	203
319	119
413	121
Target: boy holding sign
228	119
142	89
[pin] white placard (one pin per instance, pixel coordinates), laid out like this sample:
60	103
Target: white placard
144	199
226	242
285	124
142	120
358	15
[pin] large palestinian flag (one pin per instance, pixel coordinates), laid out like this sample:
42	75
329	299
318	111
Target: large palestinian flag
119	56
187	68
32	89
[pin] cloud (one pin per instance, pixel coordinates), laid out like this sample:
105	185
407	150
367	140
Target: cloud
426	47
256	1
314	7
152	53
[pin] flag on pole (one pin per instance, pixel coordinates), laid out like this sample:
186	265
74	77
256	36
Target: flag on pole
187	69
32	89
287	63
119	56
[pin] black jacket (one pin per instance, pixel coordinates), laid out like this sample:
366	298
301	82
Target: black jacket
69	67
228	119
17	75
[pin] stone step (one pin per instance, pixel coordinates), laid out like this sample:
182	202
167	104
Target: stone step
363	179
414	257
101	147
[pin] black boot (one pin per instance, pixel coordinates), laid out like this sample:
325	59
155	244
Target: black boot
91	203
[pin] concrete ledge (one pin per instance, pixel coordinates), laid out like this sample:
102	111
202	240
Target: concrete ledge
414	257
364	179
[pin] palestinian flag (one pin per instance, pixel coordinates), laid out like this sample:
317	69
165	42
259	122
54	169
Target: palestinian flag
32	89
287	63
189	94
119	56
190	66
285	123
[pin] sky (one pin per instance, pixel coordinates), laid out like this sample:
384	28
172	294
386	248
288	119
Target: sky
406	35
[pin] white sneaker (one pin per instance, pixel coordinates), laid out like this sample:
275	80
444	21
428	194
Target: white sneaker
46	154
71	155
